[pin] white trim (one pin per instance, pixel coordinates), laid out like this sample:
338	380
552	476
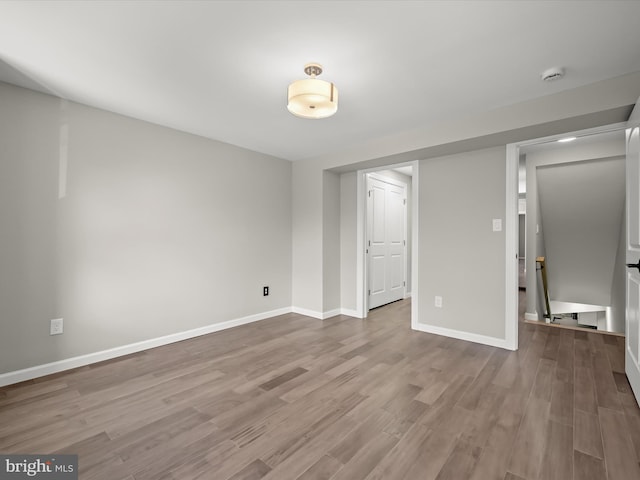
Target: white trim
82	360
407	295
331	313
324	315
460	335
308	313
511	248
531	316
349	312
415	242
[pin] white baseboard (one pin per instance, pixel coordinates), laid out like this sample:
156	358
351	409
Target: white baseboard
307	313
530	316
318	315
350	313
82	360
331	313
469	337
407	295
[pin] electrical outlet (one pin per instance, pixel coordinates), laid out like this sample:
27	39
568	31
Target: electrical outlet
438	301
56	326
265	291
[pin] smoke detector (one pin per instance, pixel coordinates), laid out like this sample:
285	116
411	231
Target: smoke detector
555	73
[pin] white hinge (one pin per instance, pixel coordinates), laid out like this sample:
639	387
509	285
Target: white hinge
404	201
369	192
369	242
404	284
369	292
404	242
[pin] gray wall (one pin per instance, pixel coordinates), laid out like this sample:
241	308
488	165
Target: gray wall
617	320
461	258
348	240
307	249
56	256
331	242
156	231
565	154
581	205
521	235
570	110
539	251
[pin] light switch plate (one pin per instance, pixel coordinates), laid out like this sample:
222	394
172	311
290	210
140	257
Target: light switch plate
497	224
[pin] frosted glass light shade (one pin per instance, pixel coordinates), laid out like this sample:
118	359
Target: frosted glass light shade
312	98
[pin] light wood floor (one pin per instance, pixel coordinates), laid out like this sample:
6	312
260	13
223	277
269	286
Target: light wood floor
298	398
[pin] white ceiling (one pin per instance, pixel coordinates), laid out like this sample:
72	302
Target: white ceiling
221	68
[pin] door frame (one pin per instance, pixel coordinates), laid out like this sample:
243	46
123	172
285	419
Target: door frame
362	300
511	223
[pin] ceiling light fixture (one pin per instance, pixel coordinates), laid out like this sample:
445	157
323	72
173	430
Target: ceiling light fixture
566	139
311	97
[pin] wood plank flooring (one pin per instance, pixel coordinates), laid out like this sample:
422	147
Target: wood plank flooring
293	398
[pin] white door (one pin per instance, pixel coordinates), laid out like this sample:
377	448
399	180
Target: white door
386	206
632	355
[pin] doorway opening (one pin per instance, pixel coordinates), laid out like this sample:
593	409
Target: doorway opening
565	194
387	271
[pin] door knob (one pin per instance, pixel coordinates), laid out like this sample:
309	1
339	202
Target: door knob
634	265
